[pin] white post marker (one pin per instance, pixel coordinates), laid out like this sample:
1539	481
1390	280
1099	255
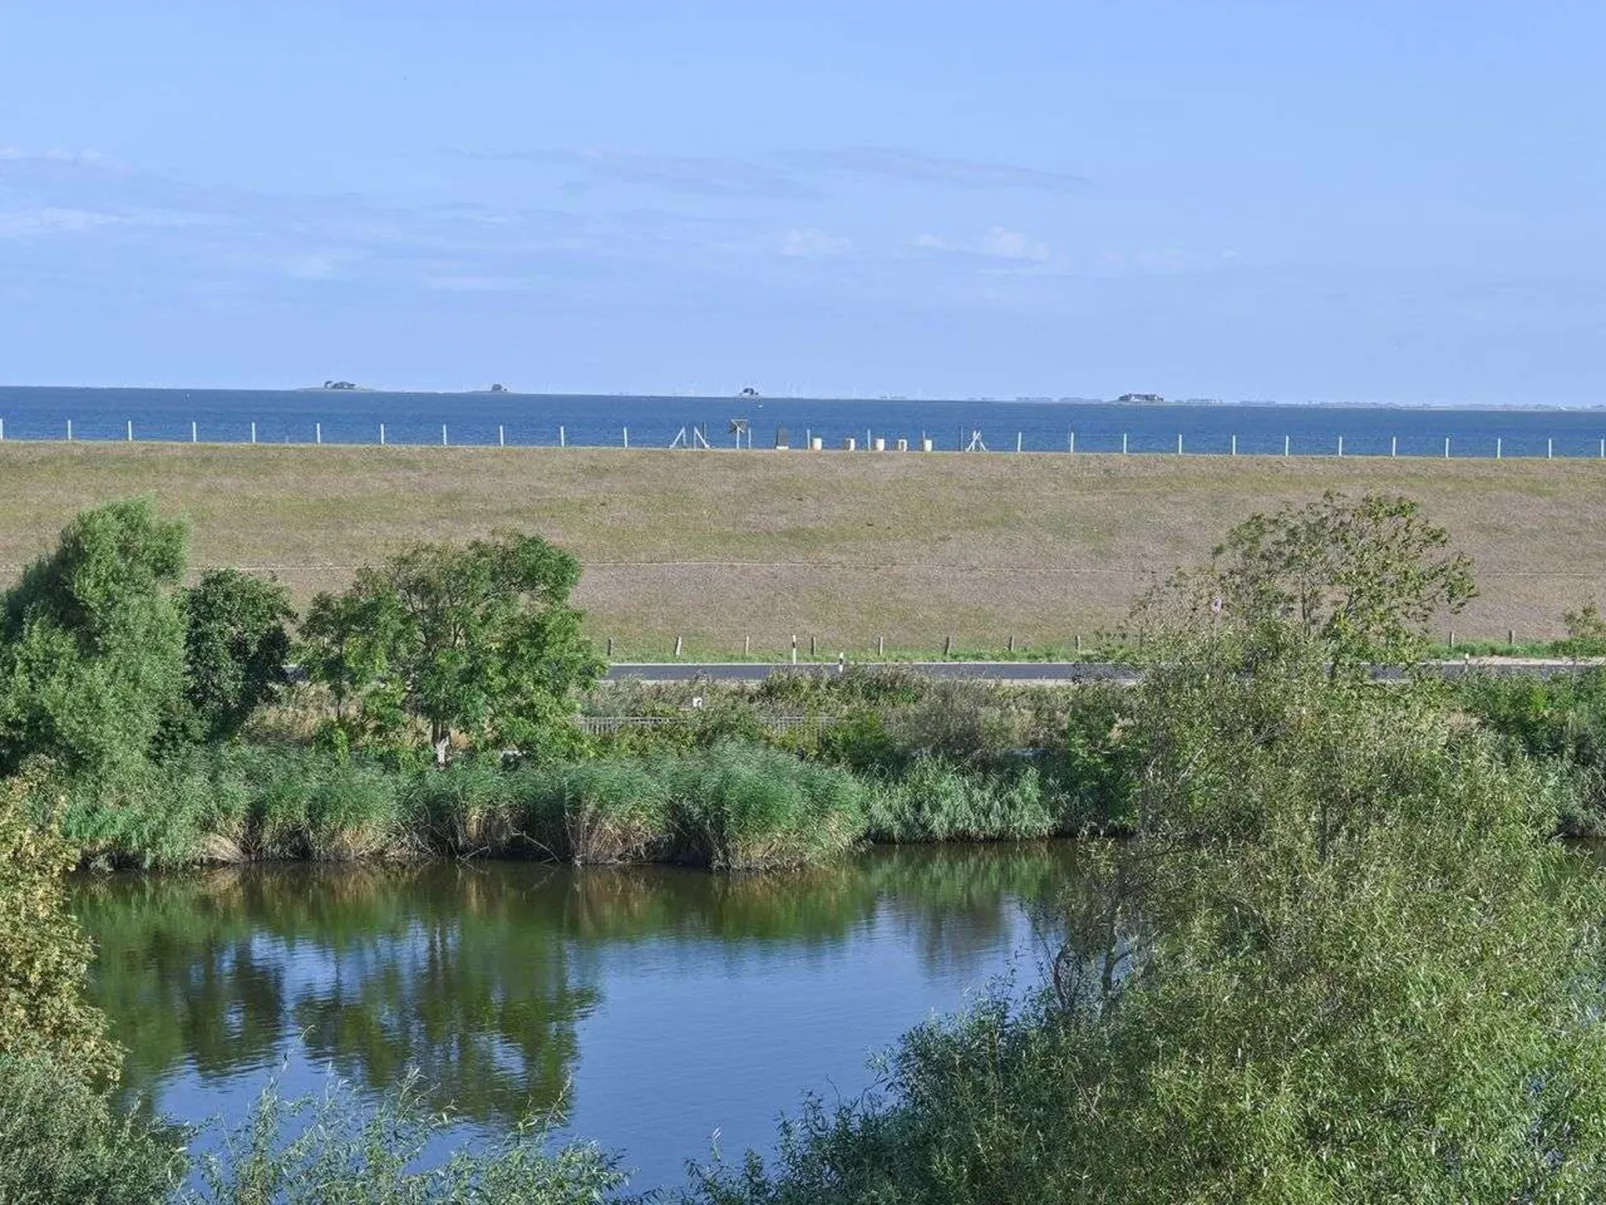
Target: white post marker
1179	443
69	430
1341	445
1234	451
2	430
130	430
627	436
195	432
1497	444
1394	445
1285	445
1123	443
501	436
1447	447
444	444
381	434
1550	449
317	432
1073	441
563	438
253	433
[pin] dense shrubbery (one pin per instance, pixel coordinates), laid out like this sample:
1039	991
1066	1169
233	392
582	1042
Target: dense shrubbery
1560	720
1339	961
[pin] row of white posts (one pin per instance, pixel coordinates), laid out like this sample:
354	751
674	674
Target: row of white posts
851	443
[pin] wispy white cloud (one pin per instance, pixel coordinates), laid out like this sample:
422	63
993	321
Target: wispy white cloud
914	167
996	243
51	219
813	244
700	175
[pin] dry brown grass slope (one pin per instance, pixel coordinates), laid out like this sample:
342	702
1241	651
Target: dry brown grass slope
718	545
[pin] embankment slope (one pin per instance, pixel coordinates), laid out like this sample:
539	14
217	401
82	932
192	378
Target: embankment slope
720	545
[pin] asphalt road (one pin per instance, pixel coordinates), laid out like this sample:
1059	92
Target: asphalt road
1046	673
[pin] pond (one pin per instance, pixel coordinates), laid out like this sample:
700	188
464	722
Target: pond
651	1007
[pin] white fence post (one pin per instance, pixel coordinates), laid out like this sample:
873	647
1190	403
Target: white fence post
563	438
69	430
626	431
253	433
195	432
501	436
1285	445
317	432
1497	444
1073	442
1179	443
444	444
1123	443
1447	447
130	430
1394	445
1341	445
1234	451
381	434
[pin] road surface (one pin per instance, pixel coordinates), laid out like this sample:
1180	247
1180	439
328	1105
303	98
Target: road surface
1043	673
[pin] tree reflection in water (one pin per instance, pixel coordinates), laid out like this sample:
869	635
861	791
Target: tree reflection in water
479	974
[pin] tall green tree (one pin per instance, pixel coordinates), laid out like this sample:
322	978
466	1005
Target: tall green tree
477	643
1362	575
235	650
92	641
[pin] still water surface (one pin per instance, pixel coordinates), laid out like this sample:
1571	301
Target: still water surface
337	416
653	1005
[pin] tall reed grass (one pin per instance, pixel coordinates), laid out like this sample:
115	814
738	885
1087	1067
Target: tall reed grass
731	807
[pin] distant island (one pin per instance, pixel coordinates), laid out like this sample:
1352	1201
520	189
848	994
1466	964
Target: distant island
340	385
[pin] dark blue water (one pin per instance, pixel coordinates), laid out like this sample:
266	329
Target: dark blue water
527	420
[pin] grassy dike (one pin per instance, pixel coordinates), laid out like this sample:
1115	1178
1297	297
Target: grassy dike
718	547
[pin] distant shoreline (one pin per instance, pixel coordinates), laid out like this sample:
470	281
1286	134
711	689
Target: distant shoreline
1189	403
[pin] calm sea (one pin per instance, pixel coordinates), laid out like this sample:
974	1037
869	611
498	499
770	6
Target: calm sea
338	416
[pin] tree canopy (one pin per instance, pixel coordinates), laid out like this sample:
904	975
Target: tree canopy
1364	576
92	641
477	643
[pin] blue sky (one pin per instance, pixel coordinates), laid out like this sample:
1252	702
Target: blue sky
1399	202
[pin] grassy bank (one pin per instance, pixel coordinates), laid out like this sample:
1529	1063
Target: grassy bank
718	547
729	807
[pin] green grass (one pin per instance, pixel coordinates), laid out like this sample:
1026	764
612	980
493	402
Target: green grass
731	551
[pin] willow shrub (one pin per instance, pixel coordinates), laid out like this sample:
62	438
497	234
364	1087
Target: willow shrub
61	1138
1342	960
335	1149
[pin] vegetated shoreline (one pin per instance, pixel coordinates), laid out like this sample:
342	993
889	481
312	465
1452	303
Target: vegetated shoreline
731	807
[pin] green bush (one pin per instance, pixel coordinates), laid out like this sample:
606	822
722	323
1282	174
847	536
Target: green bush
1341	961
1560	719
65	1142
334	1151
746	808
44	956
933	801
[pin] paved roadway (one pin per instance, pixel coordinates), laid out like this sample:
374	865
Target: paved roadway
1045	673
